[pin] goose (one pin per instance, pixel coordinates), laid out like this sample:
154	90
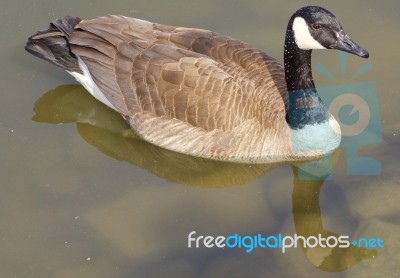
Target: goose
200	93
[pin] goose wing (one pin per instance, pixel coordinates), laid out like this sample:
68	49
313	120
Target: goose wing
188	90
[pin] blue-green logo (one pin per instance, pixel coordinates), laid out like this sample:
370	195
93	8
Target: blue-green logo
355	107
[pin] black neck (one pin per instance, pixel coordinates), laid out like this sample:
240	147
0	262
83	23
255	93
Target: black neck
304	104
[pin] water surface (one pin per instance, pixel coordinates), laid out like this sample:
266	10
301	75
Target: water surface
81	197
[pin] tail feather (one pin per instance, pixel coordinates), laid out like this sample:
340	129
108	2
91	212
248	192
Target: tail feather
52	44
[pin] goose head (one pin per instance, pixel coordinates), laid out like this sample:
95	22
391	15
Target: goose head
314	27
310	122
309	28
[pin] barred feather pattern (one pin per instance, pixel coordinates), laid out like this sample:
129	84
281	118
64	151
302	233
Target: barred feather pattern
189	90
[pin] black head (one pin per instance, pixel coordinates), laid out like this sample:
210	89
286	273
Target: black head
316	28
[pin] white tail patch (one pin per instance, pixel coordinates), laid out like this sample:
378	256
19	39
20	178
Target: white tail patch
87	81
304	39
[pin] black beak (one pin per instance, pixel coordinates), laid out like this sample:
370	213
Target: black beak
344	43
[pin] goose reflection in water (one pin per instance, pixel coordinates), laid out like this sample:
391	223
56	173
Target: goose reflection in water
108	132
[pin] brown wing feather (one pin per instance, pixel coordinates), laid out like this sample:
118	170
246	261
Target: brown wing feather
181	87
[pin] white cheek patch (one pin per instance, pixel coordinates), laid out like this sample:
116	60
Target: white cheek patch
302	35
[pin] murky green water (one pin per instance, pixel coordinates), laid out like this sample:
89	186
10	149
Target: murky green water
79	197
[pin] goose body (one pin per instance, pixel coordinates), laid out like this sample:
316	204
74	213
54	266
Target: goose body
200	93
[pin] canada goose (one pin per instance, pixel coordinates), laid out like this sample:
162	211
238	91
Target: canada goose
200	93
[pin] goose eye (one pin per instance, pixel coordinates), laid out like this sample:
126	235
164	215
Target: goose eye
316	26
